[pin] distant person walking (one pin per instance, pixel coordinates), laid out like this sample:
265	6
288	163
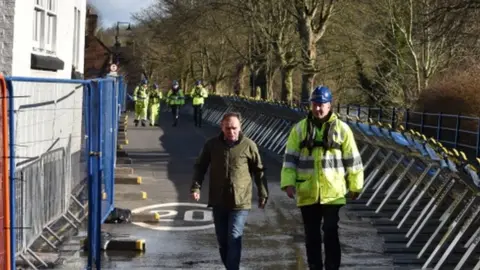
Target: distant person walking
176	99
232	157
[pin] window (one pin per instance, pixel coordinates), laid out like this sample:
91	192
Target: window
45	25
76	38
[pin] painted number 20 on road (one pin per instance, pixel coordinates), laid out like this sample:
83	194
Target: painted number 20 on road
198	217
166	215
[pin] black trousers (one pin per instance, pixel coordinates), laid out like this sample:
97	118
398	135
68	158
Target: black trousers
313	215
175	113
198	114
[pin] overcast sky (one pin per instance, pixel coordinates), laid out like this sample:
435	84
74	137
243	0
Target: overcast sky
112	11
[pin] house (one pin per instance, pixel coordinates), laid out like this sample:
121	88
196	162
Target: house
98	57
50	46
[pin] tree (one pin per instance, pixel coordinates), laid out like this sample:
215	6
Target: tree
271	19
312	21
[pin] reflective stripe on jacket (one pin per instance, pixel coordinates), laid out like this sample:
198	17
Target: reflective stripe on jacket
140	93
176	98
320	177
198	95
154	97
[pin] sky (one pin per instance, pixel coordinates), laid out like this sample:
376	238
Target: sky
112	11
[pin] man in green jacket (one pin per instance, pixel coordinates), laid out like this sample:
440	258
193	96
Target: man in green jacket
232	158
321	161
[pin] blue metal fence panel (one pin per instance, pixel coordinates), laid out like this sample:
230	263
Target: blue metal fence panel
122	94
108	112
94	199
100	109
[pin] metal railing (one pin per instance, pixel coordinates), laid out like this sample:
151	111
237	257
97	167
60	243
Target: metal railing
423	200
453	130
62	136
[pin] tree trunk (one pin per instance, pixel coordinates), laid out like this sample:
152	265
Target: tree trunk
254	71
261	80
309	57
238	86
287	84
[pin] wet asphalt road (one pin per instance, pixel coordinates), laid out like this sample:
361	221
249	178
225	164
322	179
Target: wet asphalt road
164	157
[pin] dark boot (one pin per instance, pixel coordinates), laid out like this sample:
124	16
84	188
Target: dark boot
143	123
135	122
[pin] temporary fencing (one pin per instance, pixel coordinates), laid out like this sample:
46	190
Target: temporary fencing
422	197
5	252
62	139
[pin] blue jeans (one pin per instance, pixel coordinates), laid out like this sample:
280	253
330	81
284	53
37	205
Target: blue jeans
229	225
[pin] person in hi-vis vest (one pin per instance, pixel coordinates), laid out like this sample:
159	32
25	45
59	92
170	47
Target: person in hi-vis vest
140	97
175	99
154	98
198	94
321	166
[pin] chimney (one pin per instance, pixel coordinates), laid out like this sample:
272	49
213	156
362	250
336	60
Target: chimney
92	19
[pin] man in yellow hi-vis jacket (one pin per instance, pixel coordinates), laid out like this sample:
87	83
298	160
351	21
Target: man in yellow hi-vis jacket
198	94
140	97
154	98
176	99
321	162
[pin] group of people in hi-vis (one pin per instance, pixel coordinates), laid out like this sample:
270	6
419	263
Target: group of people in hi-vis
147	102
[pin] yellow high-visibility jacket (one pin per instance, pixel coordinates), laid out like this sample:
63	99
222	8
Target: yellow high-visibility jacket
320	177
198	94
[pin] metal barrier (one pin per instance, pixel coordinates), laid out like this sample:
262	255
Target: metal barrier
421	199
454	130
5	251
122	94
62	135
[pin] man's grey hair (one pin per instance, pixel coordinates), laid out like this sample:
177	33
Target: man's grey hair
232	114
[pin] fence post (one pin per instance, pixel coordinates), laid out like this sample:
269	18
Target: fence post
394	115
439	126
457	129
478	139
94	181
7	252
11	138
407	118
422	122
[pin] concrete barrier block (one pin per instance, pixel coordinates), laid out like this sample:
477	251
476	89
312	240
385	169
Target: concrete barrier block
122	142
145	217
124	160
122	135
121	154
124	170
117	244
126	245
128	179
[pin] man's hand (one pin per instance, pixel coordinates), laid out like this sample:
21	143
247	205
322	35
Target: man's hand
290	190
196	196
262	202
354	195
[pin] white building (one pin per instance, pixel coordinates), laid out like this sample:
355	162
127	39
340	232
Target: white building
42	38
